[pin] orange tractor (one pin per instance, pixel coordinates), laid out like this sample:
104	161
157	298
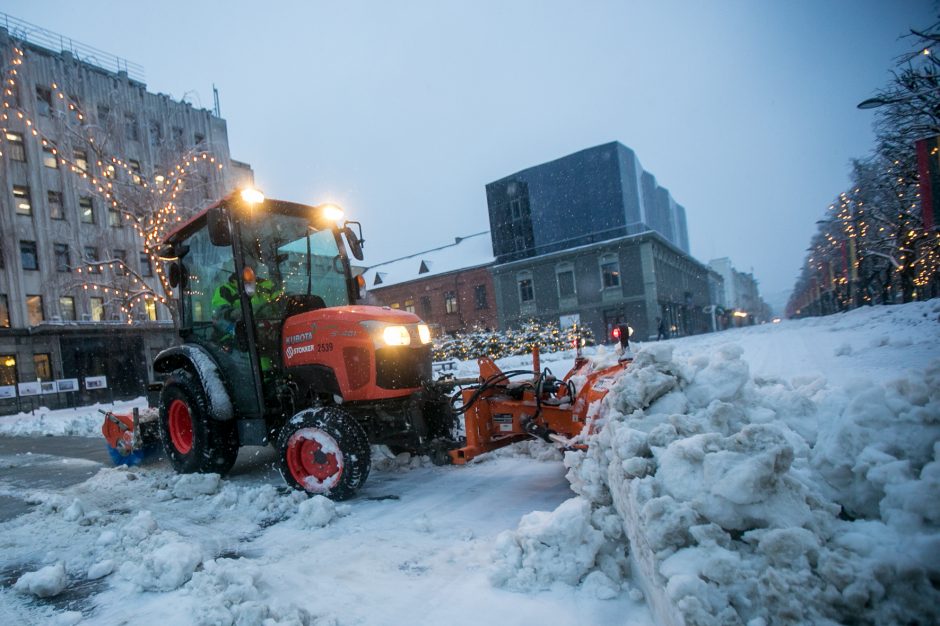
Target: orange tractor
275	350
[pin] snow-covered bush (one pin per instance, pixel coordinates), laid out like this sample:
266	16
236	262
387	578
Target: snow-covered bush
477	342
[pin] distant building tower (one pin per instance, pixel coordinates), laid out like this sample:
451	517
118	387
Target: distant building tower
594	195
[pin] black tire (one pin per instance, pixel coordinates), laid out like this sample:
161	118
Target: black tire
204	445
324	451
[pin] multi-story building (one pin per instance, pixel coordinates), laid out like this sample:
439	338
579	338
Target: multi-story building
73	129
590	196
591	237
637	279
741	296
449	287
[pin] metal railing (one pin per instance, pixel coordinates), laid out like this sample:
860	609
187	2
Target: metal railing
39	36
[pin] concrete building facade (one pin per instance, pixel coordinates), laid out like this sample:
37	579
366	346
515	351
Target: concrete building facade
636	279
63	117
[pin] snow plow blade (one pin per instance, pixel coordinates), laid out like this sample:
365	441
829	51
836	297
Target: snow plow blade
131	439
498	412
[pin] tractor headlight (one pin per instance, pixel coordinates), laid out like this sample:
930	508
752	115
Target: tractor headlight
396	336
424	333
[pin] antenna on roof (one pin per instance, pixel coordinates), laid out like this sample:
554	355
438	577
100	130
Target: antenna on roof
215	98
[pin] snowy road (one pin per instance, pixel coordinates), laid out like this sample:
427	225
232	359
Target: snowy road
414	547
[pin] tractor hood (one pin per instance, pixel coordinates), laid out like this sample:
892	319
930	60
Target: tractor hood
359	313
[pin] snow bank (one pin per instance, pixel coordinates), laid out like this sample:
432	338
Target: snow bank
755	498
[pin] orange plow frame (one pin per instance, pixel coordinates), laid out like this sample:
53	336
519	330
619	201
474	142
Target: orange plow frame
502	414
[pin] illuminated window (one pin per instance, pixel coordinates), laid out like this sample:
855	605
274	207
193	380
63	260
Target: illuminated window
24	205
43	366
97	309
4	312
86	208
114	217
610	271
410	305
34	310
450	302
7	369
394	305
81	160
135	171
49	157
151	306
16	149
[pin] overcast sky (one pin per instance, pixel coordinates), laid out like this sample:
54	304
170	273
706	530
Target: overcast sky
403	111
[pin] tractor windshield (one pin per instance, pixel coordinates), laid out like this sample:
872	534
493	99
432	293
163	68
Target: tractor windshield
291	258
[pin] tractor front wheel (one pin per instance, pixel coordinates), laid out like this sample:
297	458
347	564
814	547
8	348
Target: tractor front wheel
193	441
324	451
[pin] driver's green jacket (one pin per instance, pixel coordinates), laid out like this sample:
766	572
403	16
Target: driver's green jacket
226	295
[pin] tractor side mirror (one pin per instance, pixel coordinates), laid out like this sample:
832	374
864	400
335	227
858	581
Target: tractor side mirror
177	276
219	232
353	240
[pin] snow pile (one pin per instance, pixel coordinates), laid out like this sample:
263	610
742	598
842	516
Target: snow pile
748	498
43	583
79	422
571	545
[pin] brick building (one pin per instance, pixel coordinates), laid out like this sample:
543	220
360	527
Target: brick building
449	287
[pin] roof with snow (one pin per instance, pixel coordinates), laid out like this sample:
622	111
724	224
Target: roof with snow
466	252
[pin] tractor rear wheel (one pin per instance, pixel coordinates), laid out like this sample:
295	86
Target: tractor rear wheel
193	441
324	451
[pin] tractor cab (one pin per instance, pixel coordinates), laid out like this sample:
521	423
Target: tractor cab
245	265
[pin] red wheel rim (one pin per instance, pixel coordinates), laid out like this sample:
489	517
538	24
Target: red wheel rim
180	427
314	459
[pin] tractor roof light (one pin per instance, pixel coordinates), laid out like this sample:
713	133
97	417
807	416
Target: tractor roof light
251	196
331	212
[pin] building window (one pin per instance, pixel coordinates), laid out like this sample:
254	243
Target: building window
151	307
104	115
75	111
63	261
121	265
114	217
564	274
43	366
425	307
16	149
135	171
81	160
24	205
4	312
515	209
146	268
479	297
131	132
108	171
394	305
410	305
28	256
177	134
86	207
526	289
67	308
97	309
450	302
91	257
55	205
49	157
7	369
610	271
34	310
156	134
43	100
199	139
